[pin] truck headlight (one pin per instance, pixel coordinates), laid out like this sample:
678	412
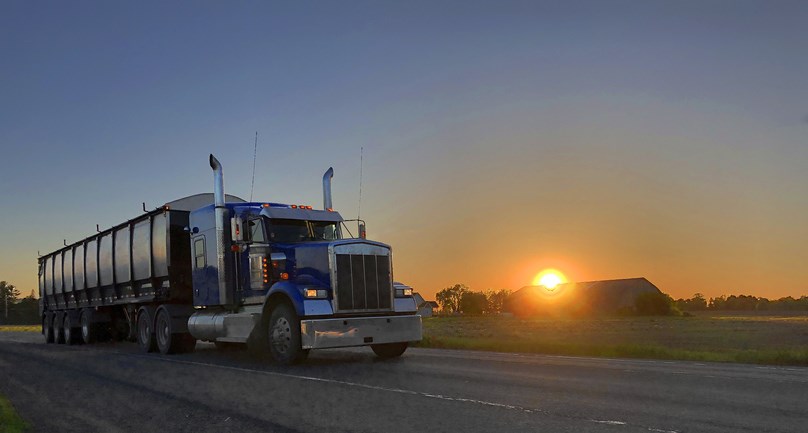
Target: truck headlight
315	293
403	293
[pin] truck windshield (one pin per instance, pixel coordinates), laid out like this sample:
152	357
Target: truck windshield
287	230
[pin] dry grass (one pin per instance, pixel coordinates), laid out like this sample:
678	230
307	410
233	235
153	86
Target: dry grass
781	340
20	328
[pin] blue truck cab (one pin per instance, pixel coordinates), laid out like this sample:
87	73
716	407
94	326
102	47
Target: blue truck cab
290	278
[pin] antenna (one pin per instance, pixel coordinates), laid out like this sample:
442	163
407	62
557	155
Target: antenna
255	153
359	210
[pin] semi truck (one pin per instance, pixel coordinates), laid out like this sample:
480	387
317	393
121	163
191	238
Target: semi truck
281	278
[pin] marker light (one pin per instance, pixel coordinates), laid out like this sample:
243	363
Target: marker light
284	276
403	293
265	205
315	293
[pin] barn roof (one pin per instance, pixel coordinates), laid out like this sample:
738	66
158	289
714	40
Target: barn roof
606	296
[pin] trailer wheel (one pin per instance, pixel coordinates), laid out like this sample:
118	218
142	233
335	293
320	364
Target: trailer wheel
58	330
47	328
89	333
389	350
70	336
284	336
168	341
145	334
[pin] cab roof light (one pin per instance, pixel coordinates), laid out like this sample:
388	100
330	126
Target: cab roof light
265	205
294	206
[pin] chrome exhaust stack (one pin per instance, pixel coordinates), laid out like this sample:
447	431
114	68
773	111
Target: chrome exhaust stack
327	204
225	292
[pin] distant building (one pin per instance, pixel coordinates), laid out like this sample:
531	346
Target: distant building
590	297
425	308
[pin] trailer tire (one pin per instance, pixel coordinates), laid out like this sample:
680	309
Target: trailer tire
168	341
389	350
89	330
284	336
47	328
145	331
70	335
58	331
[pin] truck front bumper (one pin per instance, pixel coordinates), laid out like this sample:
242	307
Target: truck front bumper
359	331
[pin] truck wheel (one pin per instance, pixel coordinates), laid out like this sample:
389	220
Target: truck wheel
71	337
389	350
145	336
58	331
88	329
284	336
47	328
169	342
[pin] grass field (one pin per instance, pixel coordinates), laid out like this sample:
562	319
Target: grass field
10	422
777	340
19	328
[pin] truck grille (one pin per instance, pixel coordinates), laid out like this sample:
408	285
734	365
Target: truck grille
363	282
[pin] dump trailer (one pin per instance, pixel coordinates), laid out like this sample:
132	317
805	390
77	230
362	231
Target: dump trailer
282	279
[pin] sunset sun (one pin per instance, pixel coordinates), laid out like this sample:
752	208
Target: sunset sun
549	278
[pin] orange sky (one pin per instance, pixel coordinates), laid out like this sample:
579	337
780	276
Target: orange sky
657	139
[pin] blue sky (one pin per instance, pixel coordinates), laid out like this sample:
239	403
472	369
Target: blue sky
608	139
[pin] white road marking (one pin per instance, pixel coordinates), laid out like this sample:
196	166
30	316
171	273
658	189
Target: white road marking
352	384
607	422
381	388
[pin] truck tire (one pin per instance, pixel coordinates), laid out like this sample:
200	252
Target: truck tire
47	328
145	331
167	340
71	335
284	336
89	330
58	331
389	350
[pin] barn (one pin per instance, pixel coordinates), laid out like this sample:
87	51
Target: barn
589	297
425	308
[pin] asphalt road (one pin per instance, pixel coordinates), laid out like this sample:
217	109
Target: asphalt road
115	388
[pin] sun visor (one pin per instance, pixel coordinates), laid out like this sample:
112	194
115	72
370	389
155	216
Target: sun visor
300	214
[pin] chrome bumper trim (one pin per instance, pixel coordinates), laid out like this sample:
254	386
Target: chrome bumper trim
359	331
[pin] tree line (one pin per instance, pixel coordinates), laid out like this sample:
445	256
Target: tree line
459	299
15	310
742	303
